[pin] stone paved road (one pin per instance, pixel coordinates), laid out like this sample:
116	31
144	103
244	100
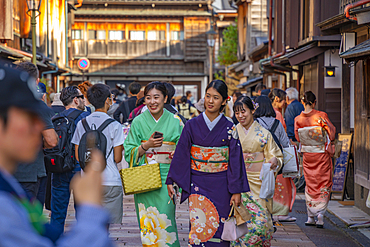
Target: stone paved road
127	233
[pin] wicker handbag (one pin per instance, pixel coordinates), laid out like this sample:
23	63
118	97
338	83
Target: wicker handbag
140	179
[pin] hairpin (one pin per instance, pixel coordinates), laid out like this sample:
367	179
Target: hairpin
228	99
255	105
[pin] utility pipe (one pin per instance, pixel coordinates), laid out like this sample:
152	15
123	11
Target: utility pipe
50	71
354	5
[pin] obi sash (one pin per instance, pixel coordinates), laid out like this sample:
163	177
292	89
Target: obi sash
209	159
161	154
312	139
253	161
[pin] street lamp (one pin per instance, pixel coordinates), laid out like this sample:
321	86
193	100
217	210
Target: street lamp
33	7
211	38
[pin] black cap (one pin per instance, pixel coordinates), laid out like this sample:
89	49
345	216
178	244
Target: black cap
18	88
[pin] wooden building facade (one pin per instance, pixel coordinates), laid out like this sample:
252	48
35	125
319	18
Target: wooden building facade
143	41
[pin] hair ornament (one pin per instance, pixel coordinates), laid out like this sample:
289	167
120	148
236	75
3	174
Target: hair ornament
255	105
228	99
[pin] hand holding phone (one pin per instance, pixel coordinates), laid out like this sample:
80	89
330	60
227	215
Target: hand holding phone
157	135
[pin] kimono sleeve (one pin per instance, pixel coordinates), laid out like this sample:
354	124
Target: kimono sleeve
236	175
329	127
132	142
296	127
180	165
271	150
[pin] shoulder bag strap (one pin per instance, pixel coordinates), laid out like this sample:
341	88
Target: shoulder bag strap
274	126
86	126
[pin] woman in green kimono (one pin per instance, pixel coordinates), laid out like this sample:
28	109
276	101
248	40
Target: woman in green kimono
155	215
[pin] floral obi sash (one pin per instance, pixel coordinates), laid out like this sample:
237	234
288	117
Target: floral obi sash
312	139
209	159
253	161
161	154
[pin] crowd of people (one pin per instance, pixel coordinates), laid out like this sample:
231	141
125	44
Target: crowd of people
215	159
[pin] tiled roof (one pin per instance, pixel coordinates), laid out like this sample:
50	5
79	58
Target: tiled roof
359	50
142	12
146	1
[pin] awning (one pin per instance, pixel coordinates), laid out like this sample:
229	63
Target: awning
19	55
242	66
358	52
138	12
250	83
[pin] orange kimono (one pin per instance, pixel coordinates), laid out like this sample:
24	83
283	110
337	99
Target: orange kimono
279	117
314	131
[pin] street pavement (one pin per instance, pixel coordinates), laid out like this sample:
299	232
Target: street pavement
287	234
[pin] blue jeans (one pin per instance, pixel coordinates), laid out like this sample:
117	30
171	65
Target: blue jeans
60	194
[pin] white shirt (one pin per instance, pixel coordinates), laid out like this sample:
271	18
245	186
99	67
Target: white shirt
114	134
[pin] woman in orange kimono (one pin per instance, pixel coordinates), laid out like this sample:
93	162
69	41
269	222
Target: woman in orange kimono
314	131
278	100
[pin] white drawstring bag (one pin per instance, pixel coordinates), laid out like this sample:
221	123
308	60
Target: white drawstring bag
267	177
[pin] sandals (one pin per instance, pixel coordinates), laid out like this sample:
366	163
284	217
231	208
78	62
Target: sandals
287	218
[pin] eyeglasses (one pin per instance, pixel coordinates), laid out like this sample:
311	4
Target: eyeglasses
80	96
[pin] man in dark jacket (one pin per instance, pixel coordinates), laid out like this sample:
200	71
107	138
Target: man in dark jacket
126	106
293	109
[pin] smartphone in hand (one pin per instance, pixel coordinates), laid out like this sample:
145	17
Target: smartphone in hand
157	135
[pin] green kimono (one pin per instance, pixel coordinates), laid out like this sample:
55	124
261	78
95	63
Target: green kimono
155	216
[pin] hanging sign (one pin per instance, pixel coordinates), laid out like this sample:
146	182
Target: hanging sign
83	63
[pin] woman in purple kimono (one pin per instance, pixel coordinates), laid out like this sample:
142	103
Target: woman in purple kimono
208	165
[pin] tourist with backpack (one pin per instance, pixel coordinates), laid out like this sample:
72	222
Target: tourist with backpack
108	137
21	217
283	199
186	109
60	160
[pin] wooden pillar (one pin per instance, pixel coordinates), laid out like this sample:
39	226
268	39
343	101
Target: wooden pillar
345	94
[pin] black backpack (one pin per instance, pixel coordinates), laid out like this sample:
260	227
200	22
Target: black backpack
61	158
100	141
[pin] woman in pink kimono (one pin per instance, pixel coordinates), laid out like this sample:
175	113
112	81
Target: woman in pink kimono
314	131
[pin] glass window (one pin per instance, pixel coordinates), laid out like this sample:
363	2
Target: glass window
162	35
97	34
177	35
77	34
152	35
116	35
137	35
100	35
156	35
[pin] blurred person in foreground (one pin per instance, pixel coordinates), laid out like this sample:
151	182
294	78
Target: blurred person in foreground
21	126
32	177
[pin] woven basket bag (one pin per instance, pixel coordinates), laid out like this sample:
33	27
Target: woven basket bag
140	179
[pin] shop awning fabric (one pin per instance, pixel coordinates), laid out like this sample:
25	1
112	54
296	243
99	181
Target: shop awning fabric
358	52
250	83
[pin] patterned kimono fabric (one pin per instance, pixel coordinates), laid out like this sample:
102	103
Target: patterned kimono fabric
258	147
285	190
155	216
311	130
208	166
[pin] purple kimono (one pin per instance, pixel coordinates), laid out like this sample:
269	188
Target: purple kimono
209	167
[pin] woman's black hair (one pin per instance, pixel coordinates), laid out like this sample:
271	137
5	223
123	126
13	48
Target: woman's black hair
241	101
157	85
277	92
309	98
265	108
221	88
